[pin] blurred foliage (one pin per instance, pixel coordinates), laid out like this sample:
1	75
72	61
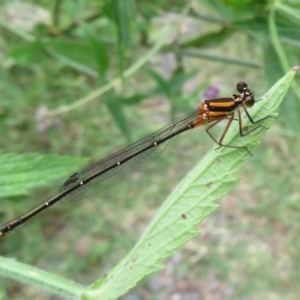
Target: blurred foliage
55	55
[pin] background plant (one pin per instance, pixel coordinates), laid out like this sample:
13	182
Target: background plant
83	78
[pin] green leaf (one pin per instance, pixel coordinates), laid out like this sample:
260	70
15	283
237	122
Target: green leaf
121	13
247	6
78	55
215	57
161	82
116	81
178	80
273	71
22	172
99	49
211	39
256	24
290	12
219	7
192	200
34	276
134	99
114	104
283	59
33	52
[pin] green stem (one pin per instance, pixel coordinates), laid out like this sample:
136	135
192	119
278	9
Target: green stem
276	42
55	14
34	276
129	72
279	49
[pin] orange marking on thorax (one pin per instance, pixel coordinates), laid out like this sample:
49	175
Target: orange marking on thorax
218	114
221	104
206	116
201	112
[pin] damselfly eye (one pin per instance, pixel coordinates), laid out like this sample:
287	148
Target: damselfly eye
249	101
241	86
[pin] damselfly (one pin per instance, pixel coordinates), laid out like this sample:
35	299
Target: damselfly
120	165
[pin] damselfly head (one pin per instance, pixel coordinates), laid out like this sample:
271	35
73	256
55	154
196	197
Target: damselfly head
241	86
246	94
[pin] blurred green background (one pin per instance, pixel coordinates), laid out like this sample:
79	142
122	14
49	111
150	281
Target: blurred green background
55	60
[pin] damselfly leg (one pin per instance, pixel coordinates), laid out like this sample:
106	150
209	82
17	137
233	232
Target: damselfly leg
217	113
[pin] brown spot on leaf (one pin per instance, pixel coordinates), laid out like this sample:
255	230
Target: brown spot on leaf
135	259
